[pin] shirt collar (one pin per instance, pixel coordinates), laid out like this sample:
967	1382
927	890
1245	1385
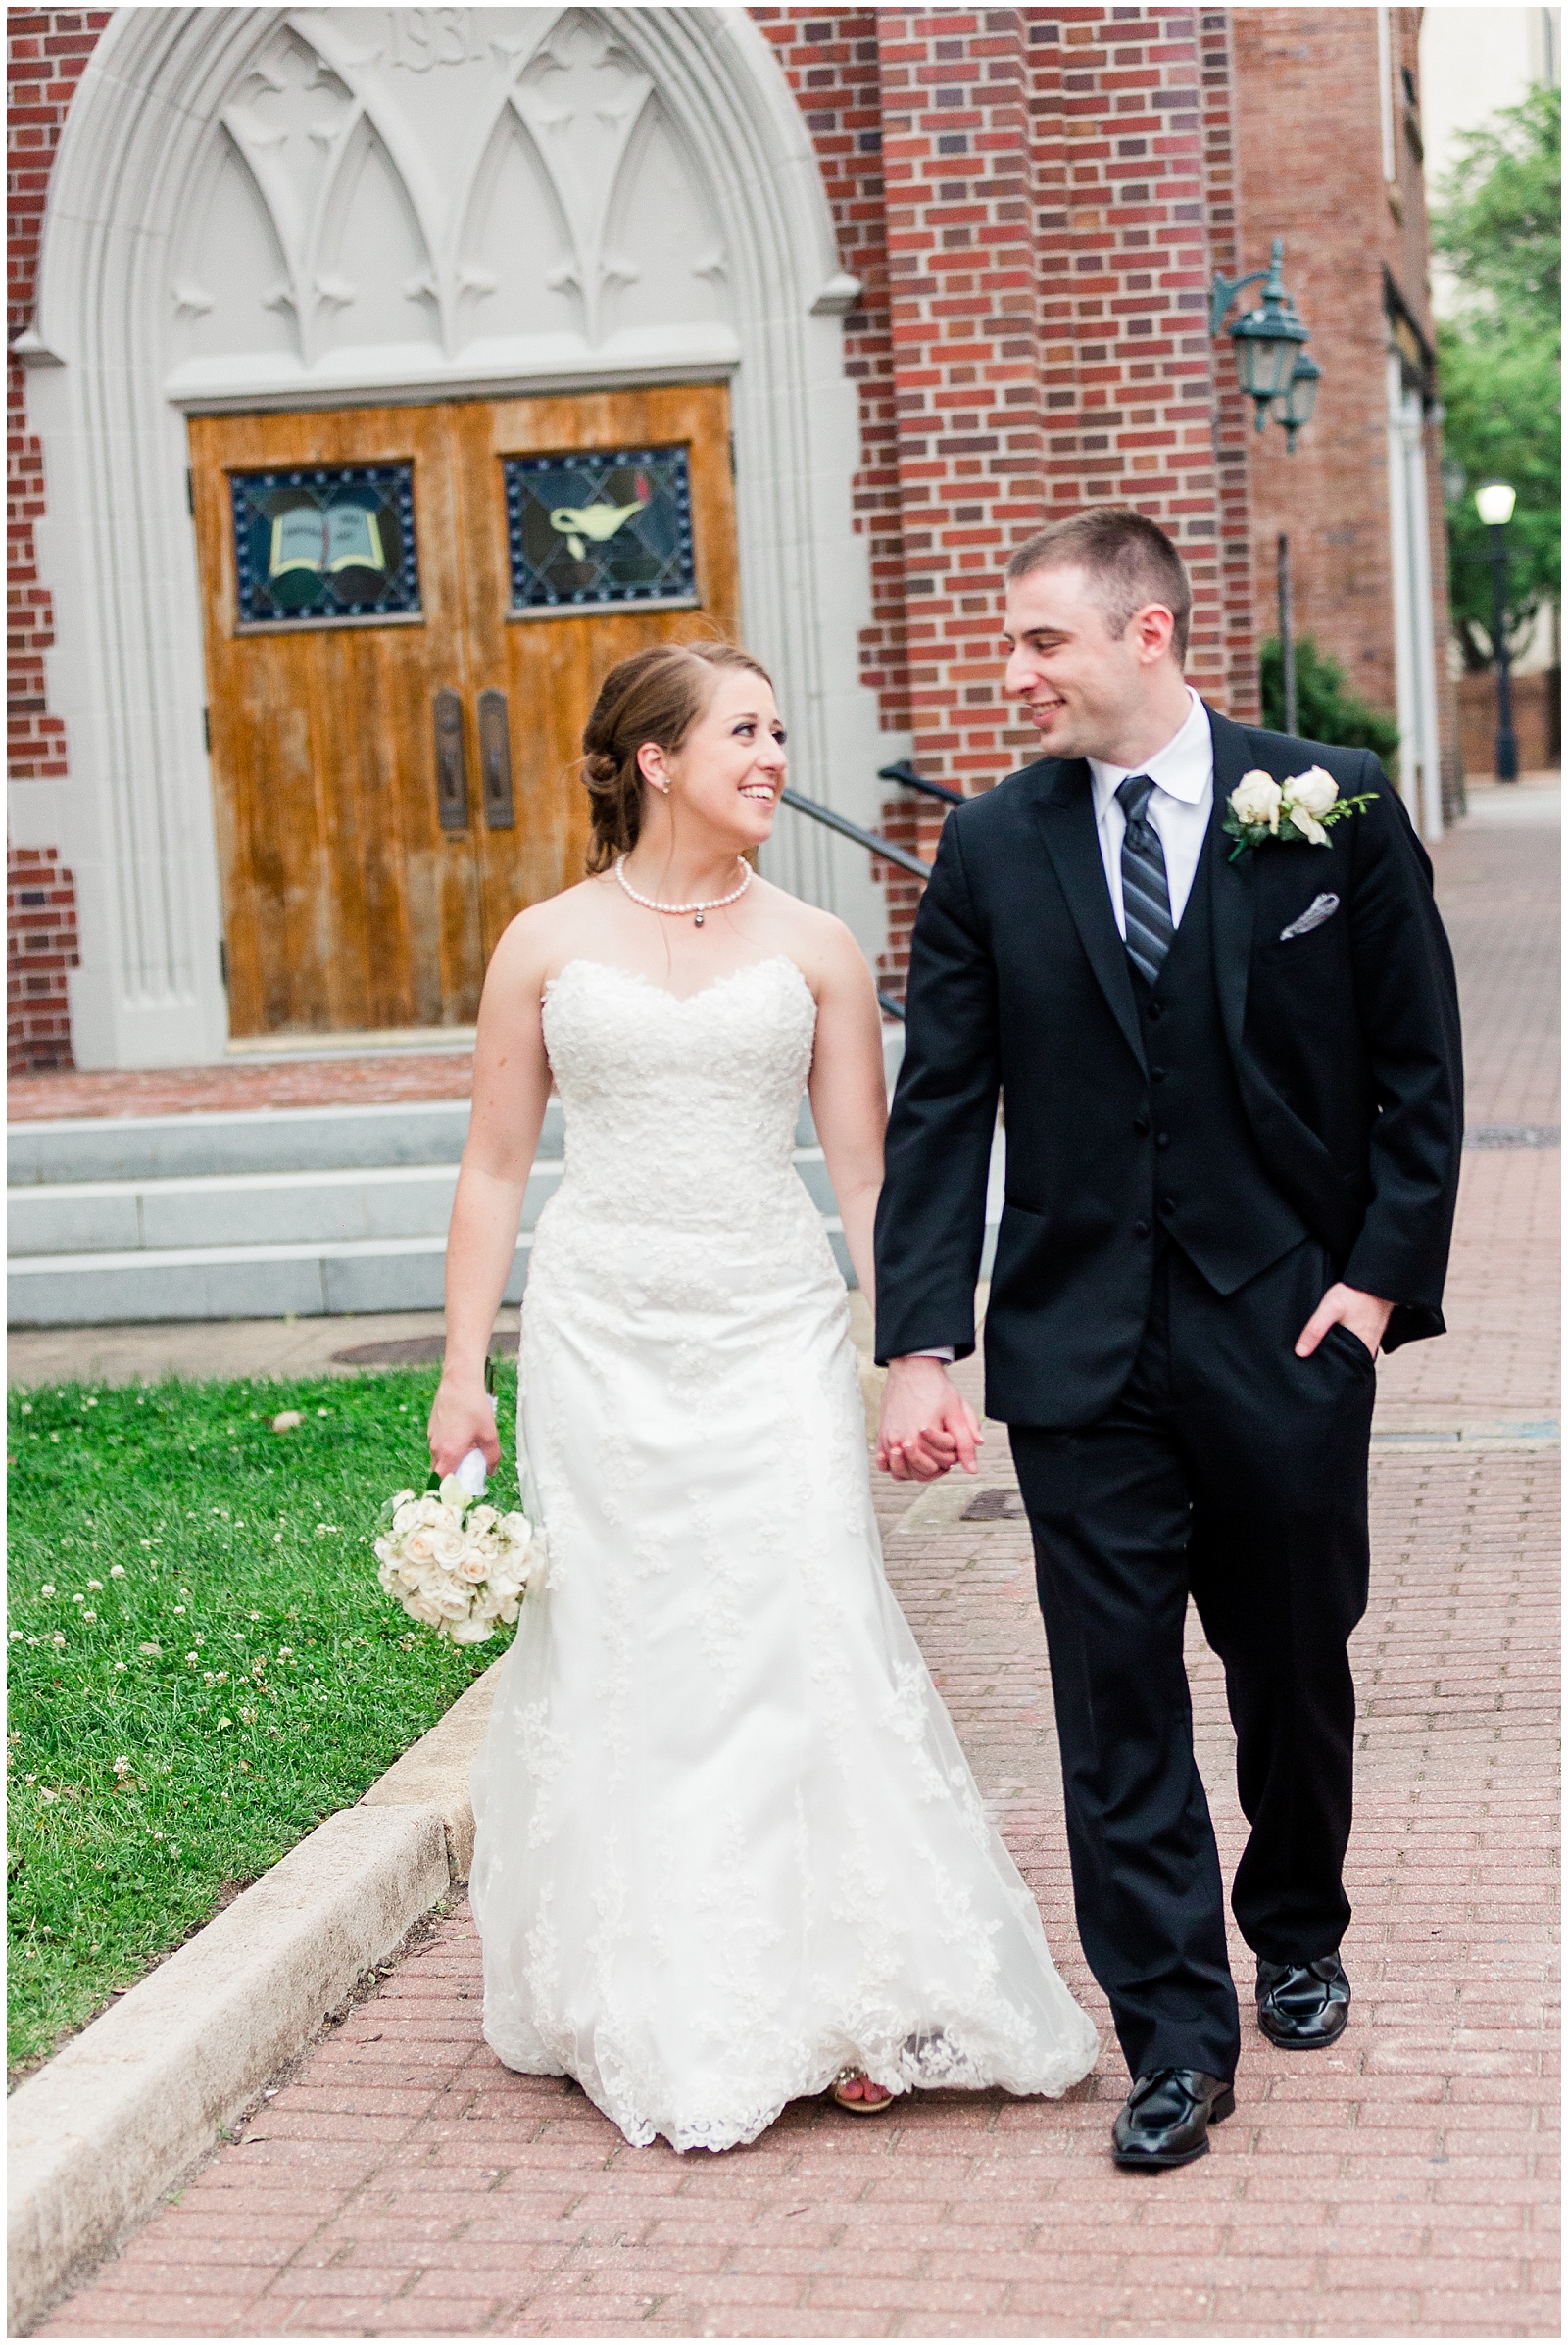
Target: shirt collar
1184	769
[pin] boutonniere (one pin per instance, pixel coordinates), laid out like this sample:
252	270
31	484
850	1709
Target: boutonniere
1298	811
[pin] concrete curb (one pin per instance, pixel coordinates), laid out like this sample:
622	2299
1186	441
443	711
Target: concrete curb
98	2135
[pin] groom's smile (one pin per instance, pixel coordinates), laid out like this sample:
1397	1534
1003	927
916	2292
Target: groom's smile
1089	691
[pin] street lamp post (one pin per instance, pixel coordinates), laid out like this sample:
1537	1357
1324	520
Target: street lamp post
1274	371
1495	503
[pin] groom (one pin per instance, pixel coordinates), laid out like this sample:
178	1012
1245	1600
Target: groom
1232	1084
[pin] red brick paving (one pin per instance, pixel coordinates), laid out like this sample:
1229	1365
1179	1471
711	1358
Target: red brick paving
300	1082
1403	2184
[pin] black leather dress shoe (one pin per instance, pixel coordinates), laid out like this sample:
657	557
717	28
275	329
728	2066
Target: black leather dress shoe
1164	2119
1303	2005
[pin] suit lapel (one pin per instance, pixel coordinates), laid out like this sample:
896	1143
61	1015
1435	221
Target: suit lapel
1065	813
1233	888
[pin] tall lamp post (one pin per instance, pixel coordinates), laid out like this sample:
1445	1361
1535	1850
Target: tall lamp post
1495	503
1275	373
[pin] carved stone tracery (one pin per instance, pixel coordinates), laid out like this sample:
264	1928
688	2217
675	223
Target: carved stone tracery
431	102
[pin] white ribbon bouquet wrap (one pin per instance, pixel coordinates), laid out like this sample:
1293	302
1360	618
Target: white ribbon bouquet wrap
454	1563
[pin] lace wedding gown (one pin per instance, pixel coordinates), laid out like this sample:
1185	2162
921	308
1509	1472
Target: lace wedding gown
728	1844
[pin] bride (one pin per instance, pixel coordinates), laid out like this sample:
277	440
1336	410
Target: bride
729	1850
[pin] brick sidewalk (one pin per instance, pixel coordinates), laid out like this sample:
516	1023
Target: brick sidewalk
1403	2184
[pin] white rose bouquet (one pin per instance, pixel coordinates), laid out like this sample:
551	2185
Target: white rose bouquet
454	1563
1298	811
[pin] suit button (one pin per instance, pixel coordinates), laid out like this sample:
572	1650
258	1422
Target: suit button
1152	1013
1167	1204
1140	1123
1140	1228
1156	1074
1162	1140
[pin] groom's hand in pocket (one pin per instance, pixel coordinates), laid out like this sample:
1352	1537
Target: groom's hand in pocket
1365	1315
927	1425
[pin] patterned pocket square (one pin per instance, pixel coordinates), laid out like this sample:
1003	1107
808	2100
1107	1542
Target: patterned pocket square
1321	908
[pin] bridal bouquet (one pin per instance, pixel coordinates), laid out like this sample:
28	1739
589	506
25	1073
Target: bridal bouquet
454	1563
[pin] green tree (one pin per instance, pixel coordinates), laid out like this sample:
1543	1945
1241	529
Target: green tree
1324	709
1498	224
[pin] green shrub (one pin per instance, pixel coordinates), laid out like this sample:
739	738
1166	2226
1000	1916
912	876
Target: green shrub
1325	710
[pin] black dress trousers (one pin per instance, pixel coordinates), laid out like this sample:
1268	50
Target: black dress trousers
1231	1470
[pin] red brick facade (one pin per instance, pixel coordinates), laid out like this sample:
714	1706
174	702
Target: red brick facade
1313	124
1035	202
48	48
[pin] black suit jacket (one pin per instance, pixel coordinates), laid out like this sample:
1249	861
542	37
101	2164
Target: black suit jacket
1345	1043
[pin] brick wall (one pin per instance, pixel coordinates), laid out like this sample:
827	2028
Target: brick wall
1309	106
46	51
41	938
1056	190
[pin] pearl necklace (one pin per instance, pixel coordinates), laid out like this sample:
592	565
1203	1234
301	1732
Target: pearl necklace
710	904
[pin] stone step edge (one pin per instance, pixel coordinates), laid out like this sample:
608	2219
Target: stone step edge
22	1194
216	1257
99	2134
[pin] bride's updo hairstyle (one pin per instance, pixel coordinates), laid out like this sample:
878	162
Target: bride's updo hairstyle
657	695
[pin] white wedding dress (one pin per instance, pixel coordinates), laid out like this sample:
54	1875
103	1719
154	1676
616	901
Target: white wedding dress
728	1844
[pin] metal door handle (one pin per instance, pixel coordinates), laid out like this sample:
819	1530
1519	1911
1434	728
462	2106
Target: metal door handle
451	763
495	760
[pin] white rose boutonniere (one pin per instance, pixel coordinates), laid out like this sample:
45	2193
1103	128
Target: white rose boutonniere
1296	812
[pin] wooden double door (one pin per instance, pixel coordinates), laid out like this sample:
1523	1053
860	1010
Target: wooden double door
409	611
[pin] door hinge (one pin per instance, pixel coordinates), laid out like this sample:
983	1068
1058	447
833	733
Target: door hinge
190	493
733	472
222	962
206	730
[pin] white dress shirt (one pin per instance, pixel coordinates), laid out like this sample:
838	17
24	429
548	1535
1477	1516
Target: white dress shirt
1179	807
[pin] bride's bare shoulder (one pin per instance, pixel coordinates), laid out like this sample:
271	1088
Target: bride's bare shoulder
539	938
820	942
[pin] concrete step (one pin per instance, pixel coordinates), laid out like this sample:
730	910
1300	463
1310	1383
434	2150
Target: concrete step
235	1282
269	1212
254	1282
240	1209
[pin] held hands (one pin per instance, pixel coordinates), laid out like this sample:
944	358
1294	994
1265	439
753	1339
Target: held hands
464	1418
1365	1315
927	1425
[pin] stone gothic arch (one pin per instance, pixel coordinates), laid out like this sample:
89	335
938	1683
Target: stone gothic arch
266	207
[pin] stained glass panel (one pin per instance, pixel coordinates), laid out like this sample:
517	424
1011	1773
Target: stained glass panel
600	527
329	545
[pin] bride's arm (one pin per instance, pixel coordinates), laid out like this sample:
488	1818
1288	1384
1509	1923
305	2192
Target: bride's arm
848	1092
511	1091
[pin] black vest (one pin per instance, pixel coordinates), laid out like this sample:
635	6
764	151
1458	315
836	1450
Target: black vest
1211	1192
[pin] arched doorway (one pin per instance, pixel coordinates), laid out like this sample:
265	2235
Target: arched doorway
303	242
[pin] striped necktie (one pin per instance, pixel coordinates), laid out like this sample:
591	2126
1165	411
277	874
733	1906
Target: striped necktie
1145	893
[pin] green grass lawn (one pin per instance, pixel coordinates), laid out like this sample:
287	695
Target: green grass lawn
202	1665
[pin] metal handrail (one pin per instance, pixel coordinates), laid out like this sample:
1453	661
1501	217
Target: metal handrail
873	842
904	775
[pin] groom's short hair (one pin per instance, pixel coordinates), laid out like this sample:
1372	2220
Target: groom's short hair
1129	558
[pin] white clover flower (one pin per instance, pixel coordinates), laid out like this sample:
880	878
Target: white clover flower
89	1616
48	1588
117	1571
96	1586
1314	790
119	1665
1256	800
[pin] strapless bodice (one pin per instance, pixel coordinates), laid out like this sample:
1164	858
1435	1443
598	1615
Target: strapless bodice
680	1110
